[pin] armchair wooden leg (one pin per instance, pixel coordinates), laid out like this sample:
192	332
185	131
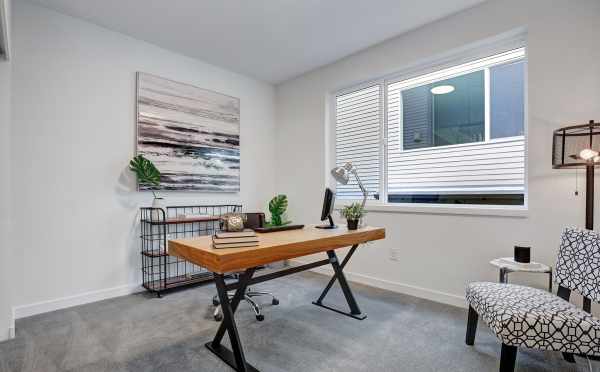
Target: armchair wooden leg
569	357
508	358
471	326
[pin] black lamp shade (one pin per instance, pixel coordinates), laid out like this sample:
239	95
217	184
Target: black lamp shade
579	146
569	142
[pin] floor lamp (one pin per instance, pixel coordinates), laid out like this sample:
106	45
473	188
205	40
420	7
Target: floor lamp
578	146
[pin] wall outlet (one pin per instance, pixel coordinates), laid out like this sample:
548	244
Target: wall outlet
394	254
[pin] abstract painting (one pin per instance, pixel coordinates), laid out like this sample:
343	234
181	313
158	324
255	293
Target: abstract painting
192	135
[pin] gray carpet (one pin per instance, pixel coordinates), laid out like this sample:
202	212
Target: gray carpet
144	333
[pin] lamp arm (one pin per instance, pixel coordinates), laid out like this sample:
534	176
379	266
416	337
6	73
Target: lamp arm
362	188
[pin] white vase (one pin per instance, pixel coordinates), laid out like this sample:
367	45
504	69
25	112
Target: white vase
158	203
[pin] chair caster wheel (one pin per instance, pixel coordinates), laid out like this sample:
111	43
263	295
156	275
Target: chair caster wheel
275	301
218	317
260	317
216	302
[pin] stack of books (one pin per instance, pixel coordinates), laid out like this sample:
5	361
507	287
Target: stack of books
246	238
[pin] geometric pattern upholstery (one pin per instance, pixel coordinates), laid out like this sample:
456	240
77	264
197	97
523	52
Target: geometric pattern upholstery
533	318
578	265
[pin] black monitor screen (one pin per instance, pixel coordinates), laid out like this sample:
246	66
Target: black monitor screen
328	203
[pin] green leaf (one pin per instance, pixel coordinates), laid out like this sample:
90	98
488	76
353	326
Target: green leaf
277	206
145	170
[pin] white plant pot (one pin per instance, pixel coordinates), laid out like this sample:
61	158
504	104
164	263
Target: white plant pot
158	203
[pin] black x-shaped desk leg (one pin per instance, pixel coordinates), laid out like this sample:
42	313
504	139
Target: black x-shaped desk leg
338	274
235	357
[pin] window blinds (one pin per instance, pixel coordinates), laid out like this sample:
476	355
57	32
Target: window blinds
358	131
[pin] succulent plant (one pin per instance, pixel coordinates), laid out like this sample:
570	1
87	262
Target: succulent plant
354	211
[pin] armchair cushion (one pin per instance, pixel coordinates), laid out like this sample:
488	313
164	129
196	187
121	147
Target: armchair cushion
533	318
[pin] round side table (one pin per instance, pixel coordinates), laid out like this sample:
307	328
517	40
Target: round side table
509	265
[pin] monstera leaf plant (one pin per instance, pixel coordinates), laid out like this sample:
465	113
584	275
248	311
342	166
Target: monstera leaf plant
277	206
146	172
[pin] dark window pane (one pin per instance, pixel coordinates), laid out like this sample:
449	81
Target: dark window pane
507	100
488	199
417	118
444	119
459	116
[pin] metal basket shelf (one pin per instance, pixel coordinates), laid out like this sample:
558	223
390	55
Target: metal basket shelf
160	271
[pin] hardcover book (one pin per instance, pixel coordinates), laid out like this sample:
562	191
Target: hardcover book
235	234
235	245
248	239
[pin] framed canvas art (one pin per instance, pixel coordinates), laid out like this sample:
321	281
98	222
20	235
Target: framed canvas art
192	135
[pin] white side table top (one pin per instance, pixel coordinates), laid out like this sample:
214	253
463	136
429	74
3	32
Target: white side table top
510	264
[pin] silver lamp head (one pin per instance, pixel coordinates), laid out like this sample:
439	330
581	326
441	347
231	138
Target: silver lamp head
342	174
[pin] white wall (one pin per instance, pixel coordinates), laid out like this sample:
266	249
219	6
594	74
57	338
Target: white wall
5	253
74	206
439	254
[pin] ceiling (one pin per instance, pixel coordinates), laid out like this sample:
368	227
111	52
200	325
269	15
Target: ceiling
272	40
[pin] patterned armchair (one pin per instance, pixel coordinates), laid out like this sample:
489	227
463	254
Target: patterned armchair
532	318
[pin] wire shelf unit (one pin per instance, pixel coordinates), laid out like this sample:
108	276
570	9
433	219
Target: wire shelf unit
160	271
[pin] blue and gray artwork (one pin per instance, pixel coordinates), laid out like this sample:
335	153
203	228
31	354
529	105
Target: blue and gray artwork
192	135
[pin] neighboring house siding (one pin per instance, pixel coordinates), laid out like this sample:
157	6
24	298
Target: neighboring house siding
494	167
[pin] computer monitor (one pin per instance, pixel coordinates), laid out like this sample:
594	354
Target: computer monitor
328	203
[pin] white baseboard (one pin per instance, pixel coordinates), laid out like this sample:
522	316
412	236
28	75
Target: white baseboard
24	311
7	334
426	293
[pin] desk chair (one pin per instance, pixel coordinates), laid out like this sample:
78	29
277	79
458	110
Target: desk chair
253	220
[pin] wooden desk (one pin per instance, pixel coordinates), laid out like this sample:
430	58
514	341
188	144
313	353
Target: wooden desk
273	247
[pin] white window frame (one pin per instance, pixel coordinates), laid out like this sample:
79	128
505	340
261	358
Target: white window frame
465	55
475	66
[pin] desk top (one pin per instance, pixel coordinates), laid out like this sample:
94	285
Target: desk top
273	247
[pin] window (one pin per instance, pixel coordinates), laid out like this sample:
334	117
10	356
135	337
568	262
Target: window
453	136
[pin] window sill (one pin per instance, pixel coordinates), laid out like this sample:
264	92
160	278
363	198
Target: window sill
440	209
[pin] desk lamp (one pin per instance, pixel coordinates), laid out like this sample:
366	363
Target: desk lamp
342	175
578	146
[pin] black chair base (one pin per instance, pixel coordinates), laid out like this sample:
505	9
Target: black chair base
248	295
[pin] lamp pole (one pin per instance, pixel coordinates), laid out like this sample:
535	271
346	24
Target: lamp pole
362	187
589	197
589	187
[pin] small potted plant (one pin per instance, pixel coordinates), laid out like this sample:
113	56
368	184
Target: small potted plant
353	213
277	206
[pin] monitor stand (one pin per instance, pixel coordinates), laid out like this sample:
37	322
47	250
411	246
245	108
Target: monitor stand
330	226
